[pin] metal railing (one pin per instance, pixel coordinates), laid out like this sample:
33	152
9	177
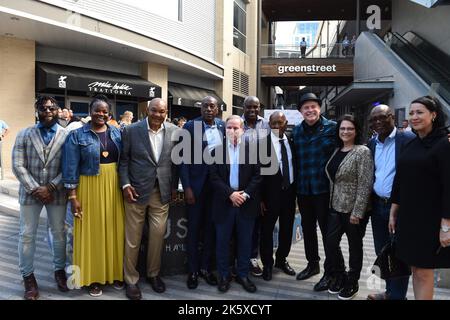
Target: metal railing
338	50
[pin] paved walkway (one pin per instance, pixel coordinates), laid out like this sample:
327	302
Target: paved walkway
282	287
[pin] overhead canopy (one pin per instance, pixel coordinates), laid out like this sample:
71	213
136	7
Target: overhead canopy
54	76
318	10
189	96
360	92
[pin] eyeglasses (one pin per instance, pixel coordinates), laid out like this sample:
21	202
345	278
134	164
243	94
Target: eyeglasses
44	108
346	129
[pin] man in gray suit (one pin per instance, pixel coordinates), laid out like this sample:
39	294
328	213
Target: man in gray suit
37	165
147	176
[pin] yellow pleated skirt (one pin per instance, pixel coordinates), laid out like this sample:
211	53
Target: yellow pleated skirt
98	238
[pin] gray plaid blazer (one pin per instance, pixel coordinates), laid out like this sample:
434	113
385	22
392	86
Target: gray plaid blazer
32	169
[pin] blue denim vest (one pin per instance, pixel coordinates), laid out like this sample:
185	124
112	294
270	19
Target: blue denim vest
81	154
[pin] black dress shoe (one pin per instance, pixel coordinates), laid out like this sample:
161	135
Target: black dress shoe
323	284
309	271
209	277
192	281
133	292
224	284
157	284
267	273
285	267
246	284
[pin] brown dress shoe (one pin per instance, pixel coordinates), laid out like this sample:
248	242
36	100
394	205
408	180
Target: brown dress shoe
31	288
133	292
377	296
61	280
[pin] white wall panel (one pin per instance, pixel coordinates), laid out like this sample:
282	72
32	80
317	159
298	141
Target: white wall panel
195	33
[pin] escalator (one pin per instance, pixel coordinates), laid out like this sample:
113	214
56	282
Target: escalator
429	62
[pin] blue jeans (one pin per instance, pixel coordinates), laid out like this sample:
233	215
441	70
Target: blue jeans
29	222
396	289
69	235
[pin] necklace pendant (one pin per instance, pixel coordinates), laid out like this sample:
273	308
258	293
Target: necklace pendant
105	154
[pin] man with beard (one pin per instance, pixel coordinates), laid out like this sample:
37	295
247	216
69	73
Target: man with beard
37	165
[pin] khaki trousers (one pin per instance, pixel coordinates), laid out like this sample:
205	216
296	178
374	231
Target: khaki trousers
134	224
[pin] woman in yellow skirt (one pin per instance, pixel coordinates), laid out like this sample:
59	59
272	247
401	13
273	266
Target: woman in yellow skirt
90	159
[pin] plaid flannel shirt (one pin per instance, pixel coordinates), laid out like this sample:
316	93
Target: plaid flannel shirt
312	153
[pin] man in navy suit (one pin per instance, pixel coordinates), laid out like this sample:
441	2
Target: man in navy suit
206	132
386	147
236	181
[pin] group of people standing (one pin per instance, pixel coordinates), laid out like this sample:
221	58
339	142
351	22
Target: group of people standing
239	177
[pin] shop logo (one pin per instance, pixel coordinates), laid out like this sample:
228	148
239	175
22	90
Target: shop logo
107	87
62	82
151	92
309	69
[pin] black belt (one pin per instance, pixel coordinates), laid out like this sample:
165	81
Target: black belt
383	200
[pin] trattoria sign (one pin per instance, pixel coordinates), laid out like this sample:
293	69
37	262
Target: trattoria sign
94	82
108	87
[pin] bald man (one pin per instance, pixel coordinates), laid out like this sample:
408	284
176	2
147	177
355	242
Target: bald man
278	198
146	172
386	147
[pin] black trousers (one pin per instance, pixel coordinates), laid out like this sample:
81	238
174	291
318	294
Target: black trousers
280	206
338	224
314	209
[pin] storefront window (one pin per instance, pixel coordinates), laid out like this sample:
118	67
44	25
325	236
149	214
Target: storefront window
239	26
122	106
80	109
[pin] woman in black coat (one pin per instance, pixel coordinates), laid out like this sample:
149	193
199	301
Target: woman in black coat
420	212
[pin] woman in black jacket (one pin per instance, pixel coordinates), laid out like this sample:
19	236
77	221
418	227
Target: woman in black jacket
420	212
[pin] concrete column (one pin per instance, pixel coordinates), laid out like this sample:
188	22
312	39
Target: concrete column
224	52
157	74
17	91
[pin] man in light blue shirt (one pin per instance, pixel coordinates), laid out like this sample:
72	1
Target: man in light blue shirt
235	183
4	129
386	147
206	133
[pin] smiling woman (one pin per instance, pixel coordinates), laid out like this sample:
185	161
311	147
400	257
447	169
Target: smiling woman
90	174
420	212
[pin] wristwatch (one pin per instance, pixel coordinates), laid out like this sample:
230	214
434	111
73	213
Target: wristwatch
445	228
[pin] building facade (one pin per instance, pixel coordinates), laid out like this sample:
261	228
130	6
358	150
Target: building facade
131	51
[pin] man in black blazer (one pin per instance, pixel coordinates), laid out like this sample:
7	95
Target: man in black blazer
278	197
235	181
386	148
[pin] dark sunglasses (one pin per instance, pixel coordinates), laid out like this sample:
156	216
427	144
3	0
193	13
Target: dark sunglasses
44	108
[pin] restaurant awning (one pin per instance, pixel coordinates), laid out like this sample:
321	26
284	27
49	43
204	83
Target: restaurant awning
183	95
54	76
361	92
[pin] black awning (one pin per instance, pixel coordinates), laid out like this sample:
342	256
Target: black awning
361	92
183	95
54	76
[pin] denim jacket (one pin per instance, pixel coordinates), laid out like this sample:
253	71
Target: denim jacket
81	154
